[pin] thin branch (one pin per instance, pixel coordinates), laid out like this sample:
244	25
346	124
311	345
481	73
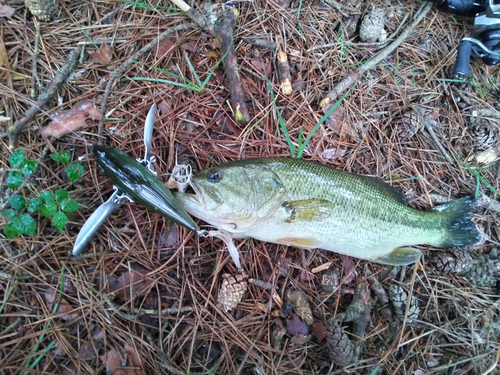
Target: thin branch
45	97
430	130
195	16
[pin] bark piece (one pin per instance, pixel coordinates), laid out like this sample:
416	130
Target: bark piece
284	72
224	28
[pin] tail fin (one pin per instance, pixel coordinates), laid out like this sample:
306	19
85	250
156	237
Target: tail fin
458	222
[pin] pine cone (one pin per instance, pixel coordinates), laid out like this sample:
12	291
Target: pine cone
44	10
300	304
232	290
340	348
331	280
458	261
410	123
486	271
483	133
399	298
372	25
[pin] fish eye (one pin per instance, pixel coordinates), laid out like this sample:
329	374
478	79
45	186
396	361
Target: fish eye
214	175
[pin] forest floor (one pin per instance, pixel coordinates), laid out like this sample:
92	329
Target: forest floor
144	297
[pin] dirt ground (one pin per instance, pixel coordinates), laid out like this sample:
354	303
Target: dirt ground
145	297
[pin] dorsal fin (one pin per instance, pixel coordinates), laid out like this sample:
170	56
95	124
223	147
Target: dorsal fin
387	190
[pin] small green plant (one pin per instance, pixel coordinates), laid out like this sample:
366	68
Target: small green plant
55	206
197	86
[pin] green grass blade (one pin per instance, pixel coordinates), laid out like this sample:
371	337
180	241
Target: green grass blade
142	5
205	82
193	71
316	127
44	353
281	121
84	33
166	72
158	80
481	178
249	130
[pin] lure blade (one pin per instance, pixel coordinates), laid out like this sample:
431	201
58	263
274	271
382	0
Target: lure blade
95	221
141	185
148	132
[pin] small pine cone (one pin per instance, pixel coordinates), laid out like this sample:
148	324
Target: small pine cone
232	290
300	304
486	271
331	280
458	261
399	298
483	133
410	124
340	348
372	25
44	10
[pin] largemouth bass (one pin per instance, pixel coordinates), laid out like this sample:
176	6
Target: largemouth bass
308	205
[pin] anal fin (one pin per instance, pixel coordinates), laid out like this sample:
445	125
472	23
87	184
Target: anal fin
400	256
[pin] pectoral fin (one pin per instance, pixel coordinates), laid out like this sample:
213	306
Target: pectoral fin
308	209
400	256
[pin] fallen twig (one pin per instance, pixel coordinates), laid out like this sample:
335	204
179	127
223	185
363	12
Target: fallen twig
195	16
44	97
284	72
119	71
430	130
376	287
224	29
34	71
341	8
354	77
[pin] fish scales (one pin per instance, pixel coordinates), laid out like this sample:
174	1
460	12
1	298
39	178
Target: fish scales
364	220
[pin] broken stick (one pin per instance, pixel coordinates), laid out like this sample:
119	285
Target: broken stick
224	29
60	77
284	72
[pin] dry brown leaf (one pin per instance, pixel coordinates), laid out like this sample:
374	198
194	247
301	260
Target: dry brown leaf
103	55
262	66
296	326
349	269
164	48
129	283
214	54
6	11
87	351
189	46
319	331
134	359
66	121
336	123
112	359
64	310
